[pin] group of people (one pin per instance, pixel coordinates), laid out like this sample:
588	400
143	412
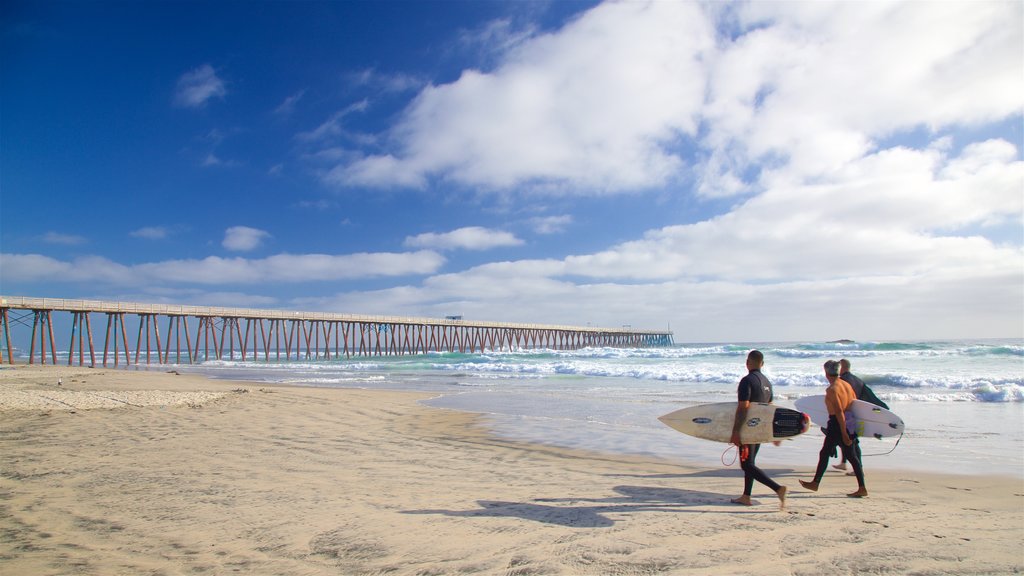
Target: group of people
843	389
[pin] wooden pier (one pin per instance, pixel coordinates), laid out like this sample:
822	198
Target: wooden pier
275	335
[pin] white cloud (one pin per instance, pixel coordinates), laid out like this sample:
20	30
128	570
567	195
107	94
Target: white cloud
882	215
497	37
333	127
64	239
196	87
384	82
150	233
608	103
292	268
550	224
287	107
595	107
375	169
195	297
39	268
980	301
877	250
469	238
243	238
213	270
812	86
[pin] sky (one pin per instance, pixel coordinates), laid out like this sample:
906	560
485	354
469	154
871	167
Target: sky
732	171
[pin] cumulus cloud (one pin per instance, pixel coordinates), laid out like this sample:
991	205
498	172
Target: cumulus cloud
879	249
40	268
293	268
469	238
196	87
213	270
884	214
243	238
593	107
612	102
809	87
798	105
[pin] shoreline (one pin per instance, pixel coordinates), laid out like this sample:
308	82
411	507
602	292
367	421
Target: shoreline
48	396
303	480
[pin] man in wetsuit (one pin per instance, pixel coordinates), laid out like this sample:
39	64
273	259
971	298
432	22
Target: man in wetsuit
839	397
861	390
859	387
754	387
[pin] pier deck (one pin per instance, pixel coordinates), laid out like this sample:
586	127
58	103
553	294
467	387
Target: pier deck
227	333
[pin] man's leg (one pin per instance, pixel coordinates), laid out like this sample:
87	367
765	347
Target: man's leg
828	448
751	472
853	455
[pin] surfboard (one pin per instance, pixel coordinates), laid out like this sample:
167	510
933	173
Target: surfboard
870	420
765	422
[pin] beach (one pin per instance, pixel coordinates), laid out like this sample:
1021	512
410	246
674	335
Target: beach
157	472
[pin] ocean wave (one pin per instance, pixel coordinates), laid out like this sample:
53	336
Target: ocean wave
982	371
801	350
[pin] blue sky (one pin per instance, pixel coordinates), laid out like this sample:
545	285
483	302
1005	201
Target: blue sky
736	171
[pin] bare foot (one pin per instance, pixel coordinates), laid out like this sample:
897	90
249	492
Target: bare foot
851	473
812	486
860	493
840	466
781	493
744	500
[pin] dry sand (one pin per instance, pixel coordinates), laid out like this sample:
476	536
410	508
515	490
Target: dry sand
182	475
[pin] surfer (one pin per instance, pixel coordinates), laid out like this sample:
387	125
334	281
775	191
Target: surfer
754	387
839	396
861	389
863	392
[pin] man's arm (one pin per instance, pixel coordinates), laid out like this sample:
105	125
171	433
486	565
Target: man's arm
841	417
741	416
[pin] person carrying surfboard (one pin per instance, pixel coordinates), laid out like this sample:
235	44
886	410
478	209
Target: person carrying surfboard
839	397
863	392
754	387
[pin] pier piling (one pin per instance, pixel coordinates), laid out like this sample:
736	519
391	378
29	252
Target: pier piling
311	335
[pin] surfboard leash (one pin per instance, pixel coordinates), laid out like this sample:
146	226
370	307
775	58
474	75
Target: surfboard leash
890	451
743	454
726	451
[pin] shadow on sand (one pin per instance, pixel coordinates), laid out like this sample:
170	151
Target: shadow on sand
714	473
590	512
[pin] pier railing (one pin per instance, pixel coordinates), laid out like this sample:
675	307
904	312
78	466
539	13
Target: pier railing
227	333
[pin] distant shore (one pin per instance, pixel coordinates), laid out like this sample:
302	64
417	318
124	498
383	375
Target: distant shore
125	471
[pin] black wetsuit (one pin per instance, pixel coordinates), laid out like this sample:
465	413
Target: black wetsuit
863	393
833	439
754	387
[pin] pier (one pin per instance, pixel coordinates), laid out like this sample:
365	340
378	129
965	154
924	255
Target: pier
163	334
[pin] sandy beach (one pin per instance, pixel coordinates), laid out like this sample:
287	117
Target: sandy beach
136	472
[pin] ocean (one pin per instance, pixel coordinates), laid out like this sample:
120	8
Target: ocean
962	401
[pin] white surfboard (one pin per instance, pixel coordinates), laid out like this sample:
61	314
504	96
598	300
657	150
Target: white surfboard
870	420
765	422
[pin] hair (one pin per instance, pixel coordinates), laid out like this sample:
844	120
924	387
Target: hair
832	368
756	355
844	364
